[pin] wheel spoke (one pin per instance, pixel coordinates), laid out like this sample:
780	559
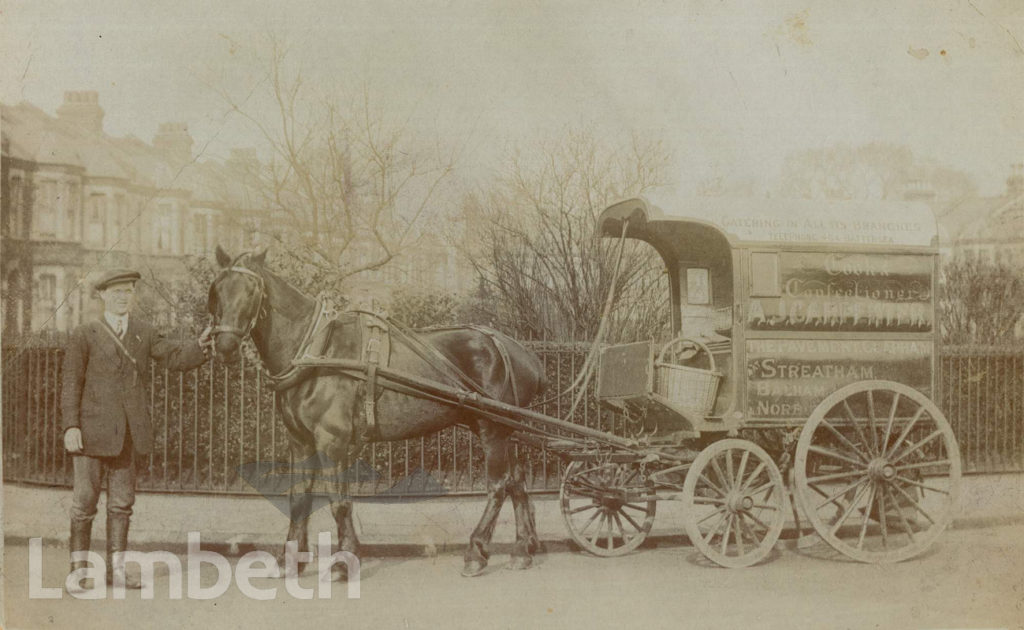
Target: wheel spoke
707	501
720	510
597	535
882	517
940	462
871	421
867	517
738	536
583	508
742	469
730	468
721	475
905	432
711	533
826	452
713	485
915	447
892	419
611	533
618	523
856	425
853	506
835	476
758	490
836	495
918	484
765	506
631	521
907	529
638	508
751	516
913	503
754	475
842	438
747	529
725	538
591	521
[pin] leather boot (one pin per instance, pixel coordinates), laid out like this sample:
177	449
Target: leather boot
117	540
81	534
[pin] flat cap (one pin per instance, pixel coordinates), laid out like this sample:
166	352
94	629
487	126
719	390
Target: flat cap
114	276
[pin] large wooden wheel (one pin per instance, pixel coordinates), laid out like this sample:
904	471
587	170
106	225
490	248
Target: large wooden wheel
608	507
735	503
877	471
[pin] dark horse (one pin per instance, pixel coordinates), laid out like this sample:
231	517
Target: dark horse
325	411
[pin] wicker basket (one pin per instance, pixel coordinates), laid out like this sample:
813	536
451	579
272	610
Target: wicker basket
693	388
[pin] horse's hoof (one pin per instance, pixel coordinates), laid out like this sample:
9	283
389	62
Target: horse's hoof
339	573
518	563
473	568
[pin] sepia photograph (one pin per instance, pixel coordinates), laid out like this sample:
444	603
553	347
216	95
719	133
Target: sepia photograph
512	314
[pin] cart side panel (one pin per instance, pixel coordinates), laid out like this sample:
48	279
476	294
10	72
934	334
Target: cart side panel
787	378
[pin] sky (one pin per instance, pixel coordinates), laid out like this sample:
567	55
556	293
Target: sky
731	87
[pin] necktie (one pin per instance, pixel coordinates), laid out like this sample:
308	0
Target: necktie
120	328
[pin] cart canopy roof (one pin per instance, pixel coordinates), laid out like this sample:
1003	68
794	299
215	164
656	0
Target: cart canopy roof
664	219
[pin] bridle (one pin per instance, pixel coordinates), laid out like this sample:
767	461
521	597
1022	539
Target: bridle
241	333
322	313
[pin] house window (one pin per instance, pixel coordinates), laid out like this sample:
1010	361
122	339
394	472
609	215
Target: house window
14	227
163	227
95	215
199	234
46	289
45	209
71	212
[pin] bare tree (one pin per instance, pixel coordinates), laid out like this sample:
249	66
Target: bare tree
870	171
345	186
544	270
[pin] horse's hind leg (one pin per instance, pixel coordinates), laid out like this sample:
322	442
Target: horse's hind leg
341	508
526	526
495	448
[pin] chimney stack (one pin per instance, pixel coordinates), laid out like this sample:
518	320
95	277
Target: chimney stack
174	140
83	110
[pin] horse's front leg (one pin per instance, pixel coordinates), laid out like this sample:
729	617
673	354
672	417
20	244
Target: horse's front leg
495	448
300	507
527	542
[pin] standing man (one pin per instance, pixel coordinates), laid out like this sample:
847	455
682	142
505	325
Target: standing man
106	416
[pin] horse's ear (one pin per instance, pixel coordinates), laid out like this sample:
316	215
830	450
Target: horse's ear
222	257
260	258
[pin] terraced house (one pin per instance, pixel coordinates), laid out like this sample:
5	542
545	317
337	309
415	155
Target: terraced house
76	199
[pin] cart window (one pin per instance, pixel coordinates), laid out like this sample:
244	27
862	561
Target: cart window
764	274
698	286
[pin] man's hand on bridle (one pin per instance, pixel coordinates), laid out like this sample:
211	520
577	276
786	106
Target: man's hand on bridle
206	339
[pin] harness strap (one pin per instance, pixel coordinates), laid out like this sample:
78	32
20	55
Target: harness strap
372	357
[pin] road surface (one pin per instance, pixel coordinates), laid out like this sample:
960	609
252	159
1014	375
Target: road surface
972	578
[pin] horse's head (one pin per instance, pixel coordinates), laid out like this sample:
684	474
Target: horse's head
236	297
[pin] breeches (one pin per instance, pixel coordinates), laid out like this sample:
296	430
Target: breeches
88	481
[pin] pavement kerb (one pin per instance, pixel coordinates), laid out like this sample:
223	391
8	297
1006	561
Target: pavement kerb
990	501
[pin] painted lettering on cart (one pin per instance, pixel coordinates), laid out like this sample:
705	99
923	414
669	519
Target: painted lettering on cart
787	378
849	292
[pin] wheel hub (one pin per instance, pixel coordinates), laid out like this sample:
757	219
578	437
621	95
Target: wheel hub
738	502
881	470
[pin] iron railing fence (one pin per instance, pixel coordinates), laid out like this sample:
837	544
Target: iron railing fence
216	428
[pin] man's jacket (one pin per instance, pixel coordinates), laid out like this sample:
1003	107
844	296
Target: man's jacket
105	392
